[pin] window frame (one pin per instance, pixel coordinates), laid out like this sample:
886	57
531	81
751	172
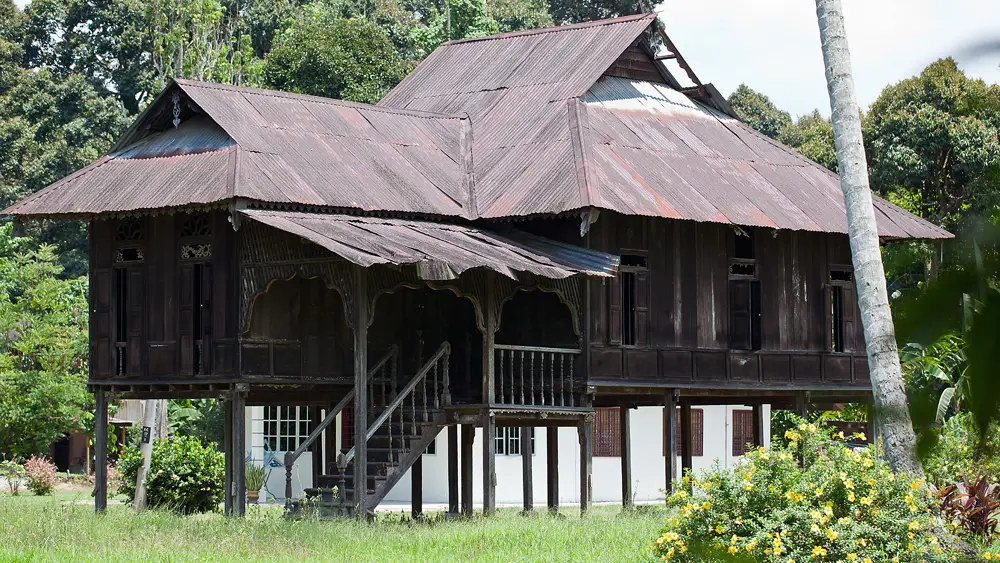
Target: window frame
507	440
277	435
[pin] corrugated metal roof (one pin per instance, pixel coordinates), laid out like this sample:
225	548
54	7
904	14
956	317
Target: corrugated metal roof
438	250
541	133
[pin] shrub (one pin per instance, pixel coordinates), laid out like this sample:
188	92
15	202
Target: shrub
972	506
184	475
13	472
841	504
42	476
960	452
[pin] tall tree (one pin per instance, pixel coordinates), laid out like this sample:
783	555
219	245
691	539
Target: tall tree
892	416
324	55
574	11
43	349
758	111
812	136
11	39
933	145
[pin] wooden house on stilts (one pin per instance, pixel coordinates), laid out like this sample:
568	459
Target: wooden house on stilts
529	226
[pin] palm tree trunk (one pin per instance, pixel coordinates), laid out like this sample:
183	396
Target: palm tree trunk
892	417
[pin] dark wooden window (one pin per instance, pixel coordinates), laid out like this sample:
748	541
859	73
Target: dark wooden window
744	294
840	314
697	434
347	428
121	320
607	432
628	302
742	430
195	255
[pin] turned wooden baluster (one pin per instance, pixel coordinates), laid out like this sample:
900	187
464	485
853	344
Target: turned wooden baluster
531	376
572	397
446	399
521	369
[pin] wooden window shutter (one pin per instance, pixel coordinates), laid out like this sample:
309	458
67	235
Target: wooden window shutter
740	332
742	431
185	319
828	318
615	310
697	434
100	322
206	319
136	299
642	307
607	432
850	306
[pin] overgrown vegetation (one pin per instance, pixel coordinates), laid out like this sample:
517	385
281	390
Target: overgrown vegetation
41	528
184	475
838	504
41	475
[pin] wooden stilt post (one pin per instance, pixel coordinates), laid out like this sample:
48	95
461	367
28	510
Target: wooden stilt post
586	434
468	438
453	507
101	451
317	447
417	488
489	465
227	447
552	468
489	423
239	450
670	438
686	431
758	425
527	481
625	426
802	404
361	391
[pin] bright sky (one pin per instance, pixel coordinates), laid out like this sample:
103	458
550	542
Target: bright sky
773	45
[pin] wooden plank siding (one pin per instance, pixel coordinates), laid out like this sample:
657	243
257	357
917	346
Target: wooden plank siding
688	328
159	312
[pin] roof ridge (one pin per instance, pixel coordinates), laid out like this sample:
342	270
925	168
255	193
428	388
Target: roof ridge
553	29
318	99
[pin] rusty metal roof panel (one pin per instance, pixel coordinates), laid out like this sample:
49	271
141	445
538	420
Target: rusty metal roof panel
111	184
439	250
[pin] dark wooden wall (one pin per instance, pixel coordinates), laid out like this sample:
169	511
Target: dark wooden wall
154	259
683	308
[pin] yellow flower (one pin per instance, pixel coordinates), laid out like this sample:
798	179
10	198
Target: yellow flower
733	549
860	436
819	491
815	527
840	435
718	529
916	484
849	483
819	551
913	525
866	560
850	496
867	501
831	534
852	556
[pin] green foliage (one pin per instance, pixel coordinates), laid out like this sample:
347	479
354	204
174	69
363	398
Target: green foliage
971	506
841	504
11	39
515	15
758	111
812	136
41	474
574	11
959	452
467	18
346	58
12	470
939	370
43	349
933	146
198	418
254	475
184	475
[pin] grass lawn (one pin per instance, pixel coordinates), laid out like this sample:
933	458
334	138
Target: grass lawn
58	529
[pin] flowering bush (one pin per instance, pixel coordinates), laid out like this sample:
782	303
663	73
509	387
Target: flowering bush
958	452
42	477
184	475
841	504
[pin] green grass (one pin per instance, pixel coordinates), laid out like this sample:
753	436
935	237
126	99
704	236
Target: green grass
58	529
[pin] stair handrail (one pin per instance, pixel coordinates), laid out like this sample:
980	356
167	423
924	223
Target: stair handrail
443	350
330	417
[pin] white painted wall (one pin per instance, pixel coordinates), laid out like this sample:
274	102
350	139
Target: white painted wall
647	461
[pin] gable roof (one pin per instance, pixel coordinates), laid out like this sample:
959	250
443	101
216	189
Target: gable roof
271	147
512	125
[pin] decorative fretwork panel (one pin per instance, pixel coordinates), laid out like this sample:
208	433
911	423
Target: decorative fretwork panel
196	251
197	225
130	230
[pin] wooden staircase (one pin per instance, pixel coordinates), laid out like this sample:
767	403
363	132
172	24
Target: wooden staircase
403	419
